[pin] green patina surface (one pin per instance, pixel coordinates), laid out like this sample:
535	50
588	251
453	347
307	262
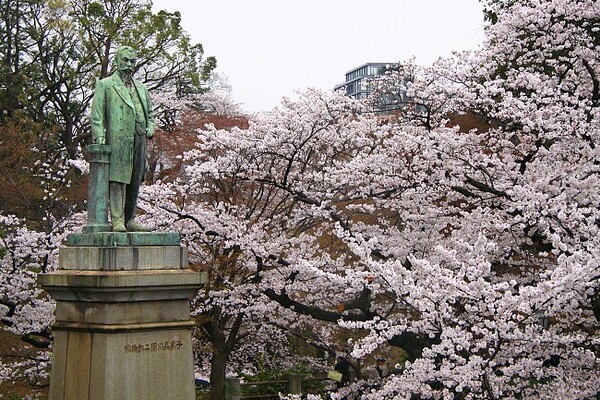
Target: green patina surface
112	239
99	157
101	149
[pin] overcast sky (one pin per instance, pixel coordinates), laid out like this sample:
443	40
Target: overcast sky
268	49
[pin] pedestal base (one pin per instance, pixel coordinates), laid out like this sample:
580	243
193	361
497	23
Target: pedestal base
125	364
123	326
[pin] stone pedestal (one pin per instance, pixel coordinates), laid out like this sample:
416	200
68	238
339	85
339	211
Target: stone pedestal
123	326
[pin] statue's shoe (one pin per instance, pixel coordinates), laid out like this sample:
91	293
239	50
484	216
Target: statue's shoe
133	226
119	227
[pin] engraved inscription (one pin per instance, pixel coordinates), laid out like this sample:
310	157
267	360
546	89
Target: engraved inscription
155	346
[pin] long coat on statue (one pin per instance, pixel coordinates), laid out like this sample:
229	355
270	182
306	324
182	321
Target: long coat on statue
113	118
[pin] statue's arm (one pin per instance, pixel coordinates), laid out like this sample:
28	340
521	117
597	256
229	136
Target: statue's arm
97	114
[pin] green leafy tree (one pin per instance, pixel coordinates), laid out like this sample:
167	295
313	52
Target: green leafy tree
166	55
55	50
14	65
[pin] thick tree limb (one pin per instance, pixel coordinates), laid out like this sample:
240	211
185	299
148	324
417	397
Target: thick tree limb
410	342
486	188
40	340
323	315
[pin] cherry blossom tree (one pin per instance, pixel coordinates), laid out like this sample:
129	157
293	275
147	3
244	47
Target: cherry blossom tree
235	226
474	252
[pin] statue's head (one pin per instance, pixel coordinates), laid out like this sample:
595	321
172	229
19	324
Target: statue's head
125	60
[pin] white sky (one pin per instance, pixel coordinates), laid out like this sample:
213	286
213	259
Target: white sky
268	49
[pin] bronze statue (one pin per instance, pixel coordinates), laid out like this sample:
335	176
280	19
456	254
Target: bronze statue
122	117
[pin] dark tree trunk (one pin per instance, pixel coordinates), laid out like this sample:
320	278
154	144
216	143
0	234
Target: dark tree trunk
223	345
217	374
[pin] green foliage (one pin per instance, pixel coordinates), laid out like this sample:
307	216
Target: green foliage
52	52
14	397
268	374
202	394
166	55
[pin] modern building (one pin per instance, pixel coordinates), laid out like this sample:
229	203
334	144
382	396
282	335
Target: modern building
357	84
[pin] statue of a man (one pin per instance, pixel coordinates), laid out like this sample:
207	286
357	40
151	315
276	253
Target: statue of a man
122	117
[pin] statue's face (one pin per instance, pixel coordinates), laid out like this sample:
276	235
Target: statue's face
126	62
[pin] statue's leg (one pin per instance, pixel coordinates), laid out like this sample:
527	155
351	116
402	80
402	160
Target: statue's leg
132	191
117	206
130	207
131	195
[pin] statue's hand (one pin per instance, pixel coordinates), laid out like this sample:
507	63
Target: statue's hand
149	134
99	140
